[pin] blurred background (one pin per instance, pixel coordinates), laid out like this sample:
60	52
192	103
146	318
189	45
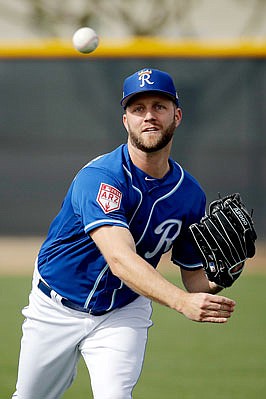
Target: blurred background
117	18
60	109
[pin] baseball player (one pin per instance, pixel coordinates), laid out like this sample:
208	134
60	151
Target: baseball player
95	274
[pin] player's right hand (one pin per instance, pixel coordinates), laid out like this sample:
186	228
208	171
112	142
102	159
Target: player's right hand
202	307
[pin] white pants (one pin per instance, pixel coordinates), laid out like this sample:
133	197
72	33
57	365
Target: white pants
54	337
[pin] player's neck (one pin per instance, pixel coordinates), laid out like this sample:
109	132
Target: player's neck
155	164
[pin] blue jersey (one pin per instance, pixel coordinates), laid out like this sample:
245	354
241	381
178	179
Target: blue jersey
111	190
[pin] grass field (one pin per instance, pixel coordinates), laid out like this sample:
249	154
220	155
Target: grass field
184	359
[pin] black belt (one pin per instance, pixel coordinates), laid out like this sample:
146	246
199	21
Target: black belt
66	302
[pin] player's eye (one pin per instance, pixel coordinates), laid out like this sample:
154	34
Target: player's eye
138	108
160	107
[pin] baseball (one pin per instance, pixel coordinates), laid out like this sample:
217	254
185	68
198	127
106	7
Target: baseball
85	40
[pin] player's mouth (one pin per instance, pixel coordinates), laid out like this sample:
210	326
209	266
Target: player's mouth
150	129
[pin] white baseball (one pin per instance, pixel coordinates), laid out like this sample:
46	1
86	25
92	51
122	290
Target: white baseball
85	40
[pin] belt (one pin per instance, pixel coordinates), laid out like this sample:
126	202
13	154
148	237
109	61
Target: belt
66	302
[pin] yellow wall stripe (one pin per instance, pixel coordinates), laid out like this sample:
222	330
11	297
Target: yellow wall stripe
136	47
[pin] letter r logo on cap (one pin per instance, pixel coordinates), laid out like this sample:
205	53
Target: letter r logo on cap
144	77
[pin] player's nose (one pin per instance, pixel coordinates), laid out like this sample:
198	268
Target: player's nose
149	115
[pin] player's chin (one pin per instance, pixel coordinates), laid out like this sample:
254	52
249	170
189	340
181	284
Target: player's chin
156	142
152	148
150	142
152	138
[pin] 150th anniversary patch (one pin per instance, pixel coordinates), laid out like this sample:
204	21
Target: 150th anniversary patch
109	198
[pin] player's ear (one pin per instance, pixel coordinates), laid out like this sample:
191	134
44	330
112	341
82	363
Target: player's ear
125	121
178	116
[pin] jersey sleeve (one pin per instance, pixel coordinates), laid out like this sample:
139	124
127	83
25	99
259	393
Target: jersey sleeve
98	199
184	251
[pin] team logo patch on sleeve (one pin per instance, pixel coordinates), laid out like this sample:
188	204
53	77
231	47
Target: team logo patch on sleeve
109	198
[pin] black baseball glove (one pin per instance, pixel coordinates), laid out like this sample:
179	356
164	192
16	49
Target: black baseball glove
226	238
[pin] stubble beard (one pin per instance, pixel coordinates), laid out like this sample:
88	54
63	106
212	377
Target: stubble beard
157	143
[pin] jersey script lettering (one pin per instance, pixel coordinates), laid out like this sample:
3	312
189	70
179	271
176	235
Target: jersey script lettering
173	225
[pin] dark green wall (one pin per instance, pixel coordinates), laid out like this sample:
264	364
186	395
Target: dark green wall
56	115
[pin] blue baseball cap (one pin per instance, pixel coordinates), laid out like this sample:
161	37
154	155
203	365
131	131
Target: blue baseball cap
148	80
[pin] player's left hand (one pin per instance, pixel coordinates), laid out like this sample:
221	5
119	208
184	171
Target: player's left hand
226	238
